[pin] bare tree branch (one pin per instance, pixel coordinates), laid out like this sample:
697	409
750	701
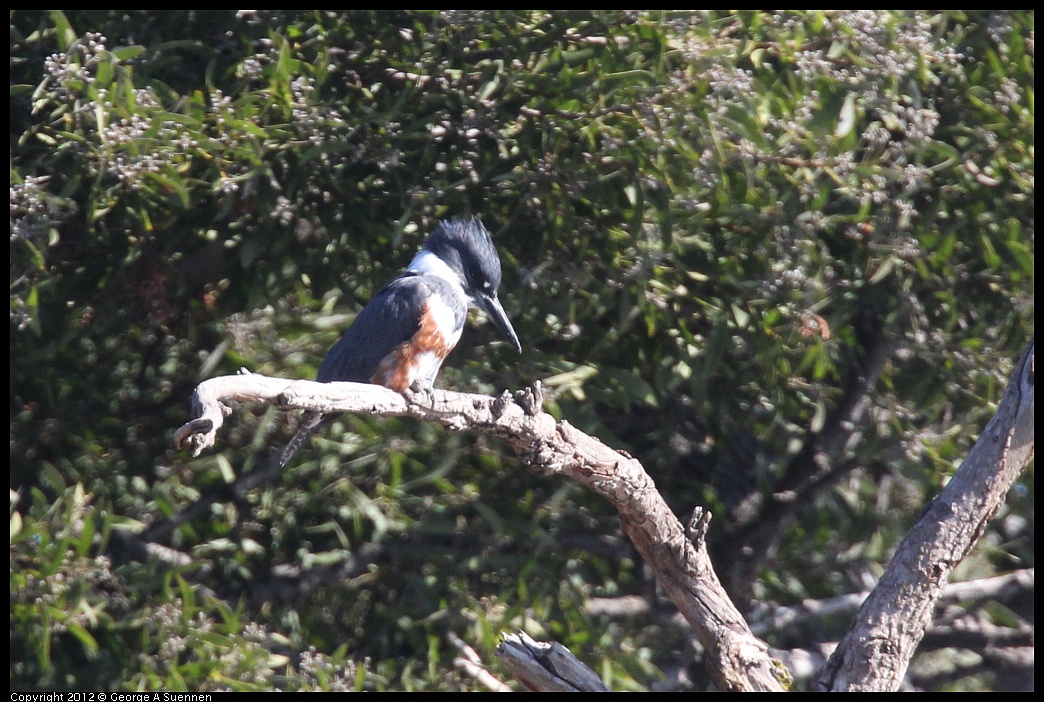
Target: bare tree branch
470	664
547	667
977	633
875	652
1001	587
955	625
737	659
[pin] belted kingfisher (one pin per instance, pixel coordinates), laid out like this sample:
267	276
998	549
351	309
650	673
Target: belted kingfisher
402	336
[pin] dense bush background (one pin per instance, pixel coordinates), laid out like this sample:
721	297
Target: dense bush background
713	225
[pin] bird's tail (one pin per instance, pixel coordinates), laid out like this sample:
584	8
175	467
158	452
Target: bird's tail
309	423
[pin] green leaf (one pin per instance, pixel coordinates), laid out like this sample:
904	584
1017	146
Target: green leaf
884	269
83	636
64	34
104	74
126	53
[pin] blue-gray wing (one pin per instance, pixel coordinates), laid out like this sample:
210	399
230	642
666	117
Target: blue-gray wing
391	318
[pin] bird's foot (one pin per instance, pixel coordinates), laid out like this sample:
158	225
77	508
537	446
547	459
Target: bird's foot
419	388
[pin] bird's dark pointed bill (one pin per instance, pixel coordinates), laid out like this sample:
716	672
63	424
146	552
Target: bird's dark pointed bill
496	312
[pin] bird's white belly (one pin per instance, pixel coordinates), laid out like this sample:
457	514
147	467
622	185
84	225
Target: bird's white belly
442	317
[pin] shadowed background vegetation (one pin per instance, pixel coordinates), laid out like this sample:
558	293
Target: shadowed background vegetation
784	259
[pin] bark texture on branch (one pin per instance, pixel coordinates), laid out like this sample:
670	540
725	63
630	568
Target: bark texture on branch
876	650
547	667
737	659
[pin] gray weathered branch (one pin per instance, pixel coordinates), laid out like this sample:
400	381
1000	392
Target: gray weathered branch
737	659
547	667
876	650
874	653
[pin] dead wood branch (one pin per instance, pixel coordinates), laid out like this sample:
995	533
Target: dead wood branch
547	667
876	650
737	659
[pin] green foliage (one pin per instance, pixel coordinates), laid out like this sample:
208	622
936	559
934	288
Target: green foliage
708	221
78	622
